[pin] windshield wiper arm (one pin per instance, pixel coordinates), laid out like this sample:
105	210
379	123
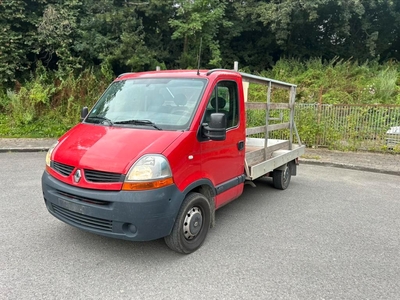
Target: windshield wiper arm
104	119
139	122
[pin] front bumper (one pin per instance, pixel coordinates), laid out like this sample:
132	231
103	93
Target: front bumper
135	216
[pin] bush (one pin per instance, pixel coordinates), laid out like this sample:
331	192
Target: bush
47	106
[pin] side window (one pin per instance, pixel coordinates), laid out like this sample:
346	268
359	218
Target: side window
224	99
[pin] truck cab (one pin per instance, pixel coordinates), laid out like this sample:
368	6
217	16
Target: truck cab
157	154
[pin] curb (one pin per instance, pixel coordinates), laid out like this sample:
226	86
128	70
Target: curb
31	149
349	167
302	161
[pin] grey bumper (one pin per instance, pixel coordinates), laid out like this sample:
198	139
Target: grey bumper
136	216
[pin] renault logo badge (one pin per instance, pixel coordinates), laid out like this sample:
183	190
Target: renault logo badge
77	176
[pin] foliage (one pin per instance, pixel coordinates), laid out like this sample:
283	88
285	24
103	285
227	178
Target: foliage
329	93
17	37
197	21
57	56
47	106
56	34
72	35
352	28
112	33
47	126
336	81
26	104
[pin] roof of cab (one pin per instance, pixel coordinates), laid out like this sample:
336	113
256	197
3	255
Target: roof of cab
211	74
176	74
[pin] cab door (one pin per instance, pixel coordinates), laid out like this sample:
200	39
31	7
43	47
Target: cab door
223	161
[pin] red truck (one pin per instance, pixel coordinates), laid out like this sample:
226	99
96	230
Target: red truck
161	151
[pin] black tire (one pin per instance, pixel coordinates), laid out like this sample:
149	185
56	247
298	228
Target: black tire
191	225
281	178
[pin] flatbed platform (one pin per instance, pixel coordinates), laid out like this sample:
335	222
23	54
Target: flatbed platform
266	155
261	160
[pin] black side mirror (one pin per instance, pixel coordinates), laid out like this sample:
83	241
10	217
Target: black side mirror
84	113
216	129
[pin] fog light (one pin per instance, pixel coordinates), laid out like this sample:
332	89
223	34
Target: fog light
130	229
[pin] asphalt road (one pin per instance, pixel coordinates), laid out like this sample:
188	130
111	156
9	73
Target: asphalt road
334	234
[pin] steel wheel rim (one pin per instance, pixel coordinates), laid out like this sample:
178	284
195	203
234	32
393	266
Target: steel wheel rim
193	223
286	174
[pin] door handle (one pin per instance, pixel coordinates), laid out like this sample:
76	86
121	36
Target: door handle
240	145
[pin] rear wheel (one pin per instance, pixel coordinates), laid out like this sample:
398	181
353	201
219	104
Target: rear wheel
281	178
192	224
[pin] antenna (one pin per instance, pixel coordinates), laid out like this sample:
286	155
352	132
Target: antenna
198	59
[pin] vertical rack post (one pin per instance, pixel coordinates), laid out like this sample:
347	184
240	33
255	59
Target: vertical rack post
267	118
236	66
292	100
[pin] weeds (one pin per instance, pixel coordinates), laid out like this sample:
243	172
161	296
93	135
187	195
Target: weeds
47	105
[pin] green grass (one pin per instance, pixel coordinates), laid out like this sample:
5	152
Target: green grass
45	127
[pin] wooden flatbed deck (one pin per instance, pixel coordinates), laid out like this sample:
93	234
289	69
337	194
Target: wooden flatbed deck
261	161
256	152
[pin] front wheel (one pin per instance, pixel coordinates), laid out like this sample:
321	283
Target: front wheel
281	178
191	225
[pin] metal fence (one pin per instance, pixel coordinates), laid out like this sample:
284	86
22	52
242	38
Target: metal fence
340	127
349	127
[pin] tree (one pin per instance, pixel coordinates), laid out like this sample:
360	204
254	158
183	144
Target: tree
58	31
17	36
136	35
155	16
247	40
327	28
195	21
112	33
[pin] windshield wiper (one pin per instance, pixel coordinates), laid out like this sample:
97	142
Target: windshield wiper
103	119
139	122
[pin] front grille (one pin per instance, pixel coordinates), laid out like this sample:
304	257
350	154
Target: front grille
83	199
99	176
63	169
82	220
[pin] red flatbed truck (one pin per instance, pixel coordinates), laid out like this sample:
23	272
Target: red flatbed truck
161	151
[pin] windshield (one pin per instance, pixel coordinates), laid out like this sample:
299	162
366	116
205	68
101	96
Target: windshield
157	103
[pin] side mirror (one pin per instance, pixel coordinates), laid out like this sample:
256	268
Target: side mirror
216	129
84	113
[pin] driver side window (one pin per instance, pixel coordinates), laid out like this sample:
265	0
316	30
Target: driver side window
224	99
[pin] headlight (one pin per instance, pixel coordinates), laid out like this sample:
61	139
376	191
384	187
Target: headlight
152	171
49	152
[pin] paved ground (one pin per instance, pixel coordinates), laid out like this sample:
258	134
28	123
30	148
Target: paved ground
366	161
333	234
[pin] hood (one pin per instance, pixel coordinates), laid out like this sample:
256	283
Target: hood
109	149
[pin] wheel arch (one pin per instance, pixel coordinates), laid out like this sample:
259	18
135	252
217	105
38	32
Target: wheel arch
206	188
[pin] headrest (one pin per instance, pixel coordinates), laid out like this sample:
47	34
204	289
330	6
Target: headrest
180	99
221	102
